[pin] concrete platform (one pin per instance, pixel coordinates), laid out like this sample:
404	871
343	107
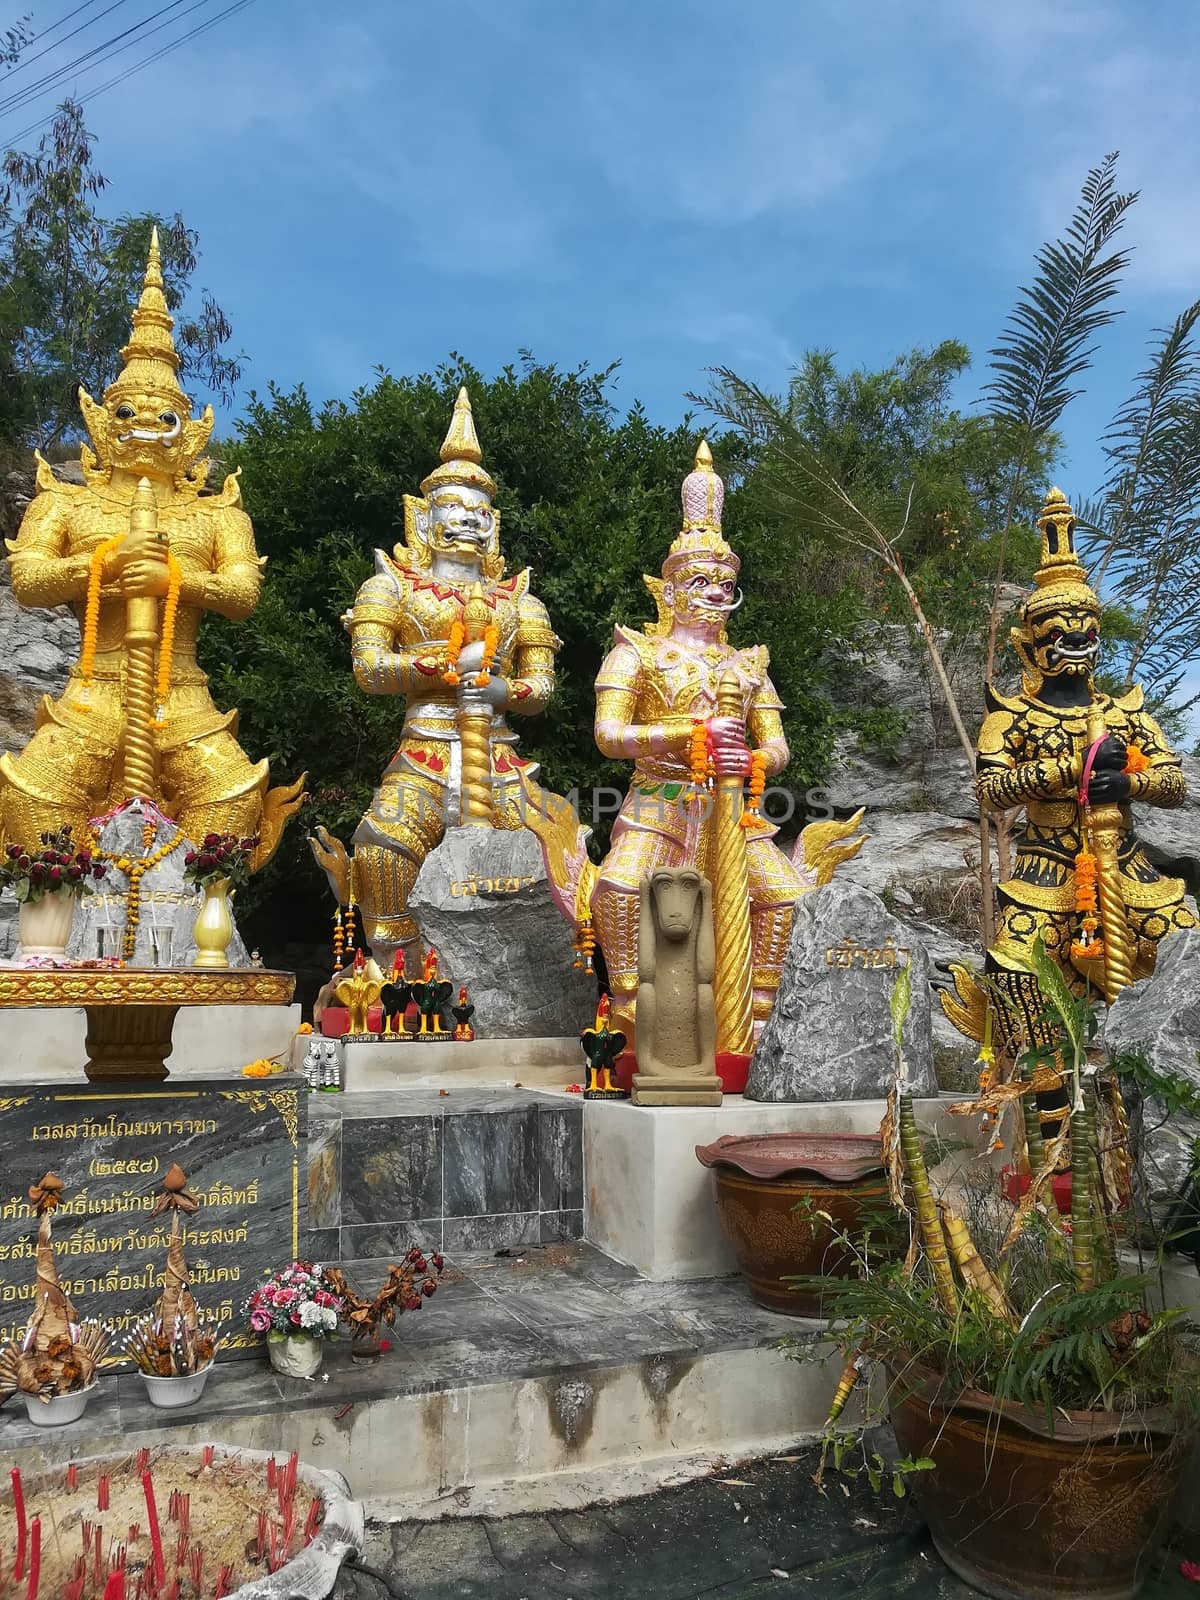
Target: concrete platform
554	1360
48	1046
648	1201
498	1063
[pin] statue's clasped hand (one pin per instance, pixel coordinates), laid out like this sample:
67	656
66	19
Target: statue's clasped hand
143	565
1108	783
730	751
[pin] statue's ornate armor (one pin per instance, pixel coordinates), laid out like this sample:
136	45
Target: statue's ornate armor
650	692
401	627
71	769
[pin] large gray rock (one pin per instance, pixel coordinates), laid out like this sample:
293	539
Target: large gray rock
482	900
168	902
829	1036
1159	1018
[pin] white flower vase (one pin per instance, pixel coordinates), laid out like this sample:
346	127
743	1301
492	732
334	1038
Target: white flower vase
44	926
296	1355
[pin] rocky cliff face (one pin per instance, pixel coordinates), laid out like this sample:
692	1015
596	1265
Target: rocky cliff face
36	651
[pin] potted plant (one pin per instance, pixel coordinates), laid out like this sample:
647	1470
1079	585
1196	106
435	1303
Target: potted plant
220	866
400	1292
1044	1407
54	1364
298	1309
175	1346
47	881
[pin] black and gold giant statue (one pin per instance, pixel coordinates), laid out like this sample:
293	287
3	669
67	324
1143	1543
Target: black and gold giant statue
1075	760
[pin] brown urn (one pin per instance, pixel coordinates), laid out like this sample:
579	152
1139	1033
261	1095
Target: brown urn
771	1191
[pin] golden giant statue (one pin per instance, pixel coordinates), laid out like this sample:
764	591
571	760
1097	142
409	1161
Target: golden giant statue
139	554
440	624
696	715
1075	760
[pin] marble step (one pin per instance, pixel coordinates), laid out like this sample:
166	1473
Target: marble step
554	1360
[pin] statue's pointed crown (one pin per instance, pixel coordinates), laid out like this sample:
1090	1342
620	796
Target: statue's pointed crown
703	499
1060	578
150	360
461	458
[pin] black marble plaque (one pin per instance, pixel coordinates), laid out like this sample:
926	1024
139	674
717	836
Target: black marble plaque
241	1143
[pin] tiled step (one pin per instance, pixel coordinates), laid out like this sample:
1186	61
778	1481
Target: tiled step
552	1360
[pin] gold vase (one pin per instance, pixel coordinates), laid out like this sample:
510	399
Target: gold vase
214	926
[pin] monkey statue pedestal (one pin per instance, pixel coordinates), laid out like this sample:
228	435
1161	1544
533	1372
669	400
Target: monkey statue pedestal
677	1020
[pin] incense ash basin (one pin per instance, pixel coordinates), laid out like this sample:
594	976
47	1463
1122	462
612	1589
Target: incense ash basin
63	1408
171	1393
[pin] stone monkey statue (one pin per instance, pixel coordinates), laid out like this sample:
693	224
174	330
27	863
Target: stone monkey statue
677	1026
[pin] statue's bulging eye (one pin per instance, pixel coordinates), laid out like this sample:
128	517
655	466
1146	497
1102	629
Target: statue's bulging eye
125	413
169	418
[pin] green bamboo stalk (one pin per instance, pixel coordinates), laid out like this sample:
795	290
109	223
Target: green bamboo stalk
1083	1155
932	1236
1035	1145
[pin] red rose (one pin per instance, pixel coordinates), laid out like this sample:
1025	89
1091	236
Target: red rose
211	839
414	1304
14	850
428	1287
55	875
98	870
189	859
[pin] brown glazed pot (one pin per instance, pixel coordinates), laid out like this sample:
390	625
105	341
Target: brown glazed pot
1023	1514
759	1181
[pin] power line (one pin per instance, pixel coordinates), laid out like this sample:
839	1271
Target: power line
57	75
157	55
29	60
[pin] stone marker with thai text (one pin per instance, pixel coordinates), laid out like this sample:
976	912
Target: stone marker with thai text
242	1145
829	1036
482	900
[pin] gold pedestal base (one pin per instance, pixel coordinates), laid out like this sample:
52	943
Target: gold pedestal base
683	1090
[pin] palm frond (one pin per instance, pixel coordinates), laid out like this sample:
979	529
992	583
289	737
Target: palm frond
1045	344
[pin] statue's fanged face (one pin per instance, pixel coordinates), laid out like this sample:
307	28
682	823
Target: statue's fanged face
462	523
151	434
1064	643
705	593
675	898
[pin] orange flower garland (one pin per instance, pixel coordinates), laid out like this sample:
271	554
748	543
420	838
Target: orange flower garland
135	871
700	759
454	644
585	945
752	815
166	645
1088	946
491	639
91	613
1136	760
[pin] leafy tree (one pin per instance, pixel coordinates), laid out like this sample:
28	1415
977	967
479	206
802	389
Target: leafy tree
67	279
588	499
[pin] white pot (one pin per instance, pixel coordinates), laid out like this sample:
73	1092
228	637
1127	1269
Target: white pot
183	1389
63	1408
296	1355
44	925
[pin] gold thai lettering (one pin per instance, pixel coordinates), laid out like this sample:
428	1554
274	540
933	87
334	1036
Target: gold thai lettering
115	1127
849	953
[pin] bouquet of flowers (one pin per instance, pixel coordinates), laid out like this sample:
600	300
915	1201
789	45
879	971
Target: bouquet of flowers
221	855
296	1300
30	874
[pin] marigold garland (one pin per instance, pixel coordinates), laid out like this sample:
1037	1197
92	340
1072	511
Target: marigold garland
166	647
1136	759
135	871
1088	946
91	613
700	759
585	945
752	815
491	641
454	644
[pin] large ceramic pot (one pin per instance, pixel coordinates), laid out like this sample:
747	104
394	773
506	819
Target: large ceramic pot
44	926
769	1190
1025	1514
296	1355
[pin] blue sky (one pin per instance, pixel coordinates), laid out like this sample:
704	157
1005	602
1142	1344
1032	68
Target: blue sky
675	185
